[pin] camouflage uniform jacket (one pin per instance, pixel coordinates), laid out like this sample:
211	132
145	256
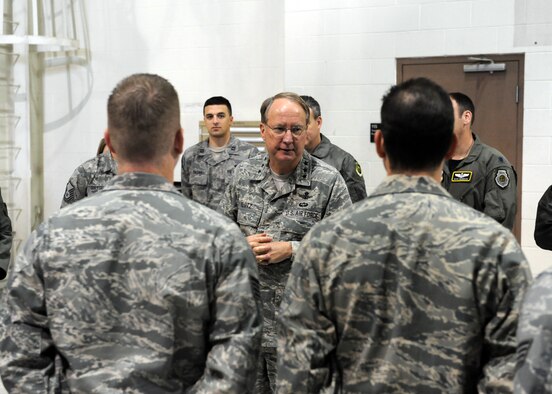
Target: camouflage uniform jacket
345	163
5	238
89	178
534	335
408	292
315	190
543	222
205	176
135	289
486	181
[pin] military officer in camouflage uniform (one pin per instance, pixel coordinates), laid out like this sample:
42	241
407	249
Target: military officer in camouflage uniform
321	147
534	335
89	178
208	166
275	199
136	288
5	238
477	174
409	291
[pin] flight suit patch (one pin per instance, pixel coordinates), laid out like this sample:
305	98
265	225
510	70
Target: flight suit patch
461	176
502	179
358	169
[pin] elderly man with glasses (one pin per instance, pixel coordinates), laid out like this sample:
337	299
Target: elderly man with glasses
275	199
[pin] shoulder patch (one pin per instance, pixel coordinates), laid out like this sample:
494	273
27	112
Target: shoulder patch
502	179
358	169
461	176
69	195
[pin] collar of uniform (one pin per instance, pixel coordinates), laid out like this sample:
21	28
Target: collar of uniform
233	145
475	151
394	184
231	148
106	164
300	176
323	148
203	148
140	181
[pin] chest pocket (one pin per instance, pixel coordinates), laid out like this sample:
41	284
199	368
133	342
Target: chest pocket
200	174
297	221
249	215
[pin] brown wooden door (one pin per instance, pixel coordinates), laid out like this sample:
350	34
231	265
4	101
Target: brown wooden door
497	98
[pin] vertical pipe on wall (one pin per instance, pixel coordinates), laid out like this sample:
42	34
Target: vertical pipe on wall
36	118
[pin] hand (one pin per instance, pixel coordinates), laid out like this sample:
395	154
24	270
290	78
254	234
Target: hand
268	252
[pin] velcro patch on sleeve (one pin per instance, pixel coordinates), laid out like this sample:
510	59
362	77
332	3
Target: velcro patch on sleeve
502	179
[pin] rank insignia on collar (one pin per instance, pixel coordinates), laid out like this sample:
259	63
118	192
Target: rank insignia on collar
502	179
461	176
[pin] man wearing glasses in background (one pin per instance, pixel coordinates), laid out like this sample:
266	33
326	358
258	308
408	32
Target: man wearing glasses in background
275	199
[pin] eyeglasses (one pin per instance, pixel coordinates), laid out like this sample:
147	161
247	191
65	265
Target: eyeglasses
281	130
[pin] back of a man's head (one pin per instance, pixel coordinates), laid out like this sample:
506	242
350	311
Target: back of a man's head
417	125
143	116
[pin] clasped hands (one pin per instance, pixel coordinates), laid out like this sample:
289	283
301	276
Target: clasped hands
267	251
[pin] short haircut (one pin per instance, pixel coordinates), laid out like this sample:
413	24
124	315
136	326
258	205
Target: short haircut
218	100
313	104
143	116
101	147
417	125
464	104
265	107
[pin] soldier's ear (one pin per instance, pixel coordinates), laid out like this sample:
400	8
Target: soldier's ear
107	139
380	144
179	141
467	117
262	127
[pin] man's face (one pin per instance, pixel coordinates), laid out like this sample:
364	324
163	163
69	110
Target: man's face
218	120
313	131
285	150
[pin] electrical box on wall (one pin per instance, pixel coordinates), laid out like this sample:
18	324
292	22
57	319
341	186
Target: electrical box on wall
373	128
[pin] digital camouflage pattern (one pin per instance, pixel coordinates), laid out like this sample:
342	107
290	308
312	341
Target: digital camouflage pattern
89	178
205	175
5	238
345	163
534	335
315	190
408	292
135	289
485	181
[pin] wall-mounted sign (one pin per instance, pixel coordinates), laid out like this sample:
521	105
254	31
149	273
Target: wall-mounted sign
373	128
